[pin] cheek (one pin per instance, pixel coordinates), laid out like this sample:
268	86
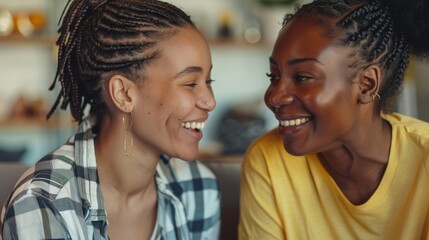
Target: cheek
180	105
334	111
330	97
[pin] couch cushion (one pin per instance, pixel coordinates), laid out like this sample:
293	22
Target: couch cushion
227	171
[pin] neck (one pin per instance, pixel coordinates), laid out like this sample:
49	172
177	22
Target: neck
124	177
366	151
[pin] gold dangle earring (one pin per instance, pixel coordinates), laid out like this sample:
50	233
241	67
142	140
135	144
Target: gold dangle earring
127	134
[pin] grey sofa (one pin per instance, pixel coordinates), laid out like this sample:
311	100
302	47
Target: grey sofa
9	175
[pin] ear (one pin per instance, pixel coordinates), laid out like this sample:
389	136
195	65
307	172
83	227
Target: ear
120	89
369	83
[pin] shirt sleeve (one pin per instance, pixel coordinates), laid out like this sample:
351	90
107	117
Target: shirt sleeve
33	218
259	217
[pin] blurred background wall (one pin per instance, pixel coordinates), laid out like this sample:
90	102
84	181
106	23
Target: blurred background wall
241	34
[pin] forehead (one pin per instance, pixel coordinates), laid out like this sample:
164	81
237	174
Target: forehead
185	45
304	37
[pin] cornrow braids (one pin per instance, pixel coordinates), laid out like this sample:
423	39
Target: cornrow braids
379	31
98	39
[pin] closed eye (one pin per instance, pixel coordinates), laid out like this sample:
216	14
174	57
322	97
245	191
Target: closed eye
192	85
302	78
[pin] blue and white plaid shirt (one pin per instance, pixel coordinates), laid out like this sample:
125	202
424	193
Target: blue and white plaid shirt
60	198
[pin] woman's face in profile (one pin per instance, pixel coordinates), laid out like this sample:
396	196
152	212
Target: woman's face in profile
175	97
310	94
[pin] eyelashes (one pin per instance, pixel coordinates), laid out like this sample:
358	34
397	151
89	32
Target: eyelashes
210	81
296	77
272	77
194	84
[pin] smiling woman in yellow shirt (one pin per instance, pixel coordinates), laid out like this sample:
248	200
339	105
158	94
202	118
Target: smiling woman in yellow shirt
293	197
341	164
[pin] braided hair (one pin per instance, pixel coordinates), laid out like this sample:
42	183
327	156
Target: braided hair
383	32
99	38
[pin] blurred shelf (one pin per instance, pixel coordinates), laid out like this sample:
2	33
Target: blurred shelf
25	123
239	44
35	39
49	40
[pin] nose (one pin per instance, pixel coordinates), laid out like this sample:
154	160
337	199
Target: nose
279	95
207	101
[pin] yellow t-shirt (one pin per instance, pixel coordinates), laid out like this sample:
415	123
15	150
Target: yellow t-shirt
293	197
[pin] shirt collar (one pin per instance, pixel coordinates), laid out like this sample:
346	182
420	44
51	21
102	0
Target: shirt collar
87	175
86	172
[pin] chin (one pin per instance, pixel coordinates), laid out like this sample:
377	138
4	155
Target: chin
294	150
188	156
188	159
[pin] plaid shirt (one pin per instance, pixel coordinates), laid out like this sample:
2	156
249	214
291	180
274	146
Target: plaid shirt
60	197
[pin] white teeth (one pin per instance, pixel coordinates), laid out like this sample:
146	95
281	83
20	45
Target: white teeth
295	122
193	125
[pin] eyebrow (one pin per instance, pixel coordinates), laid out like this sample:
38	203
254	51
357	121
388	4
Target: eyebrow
189	70
297	61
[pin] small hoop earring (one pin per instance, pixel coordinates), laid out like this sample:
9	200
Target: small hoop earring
127	134
374	95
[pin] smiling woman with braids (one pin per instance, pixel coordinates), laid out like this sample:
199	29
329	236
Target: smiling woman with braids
341	164
143	69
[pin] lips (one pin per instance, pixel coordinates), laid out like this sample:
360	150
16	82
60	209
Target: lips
194	128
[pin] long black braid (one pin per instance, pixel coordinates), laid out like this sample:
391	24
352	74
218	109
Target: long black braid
381	32
99	38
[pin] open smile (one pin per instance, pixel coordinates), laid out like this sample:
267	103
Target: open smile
194	129
194	125
291	126
293	122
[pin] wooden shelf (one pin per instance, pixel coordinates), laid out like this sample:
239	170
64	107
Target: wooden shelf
36	39
54	122
50	40
238	44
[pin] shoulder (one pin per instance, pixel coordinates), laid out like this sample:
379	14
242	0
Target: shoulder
41	193
33	217
409	127
270	137
270	141
268	145
410	137
47	178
